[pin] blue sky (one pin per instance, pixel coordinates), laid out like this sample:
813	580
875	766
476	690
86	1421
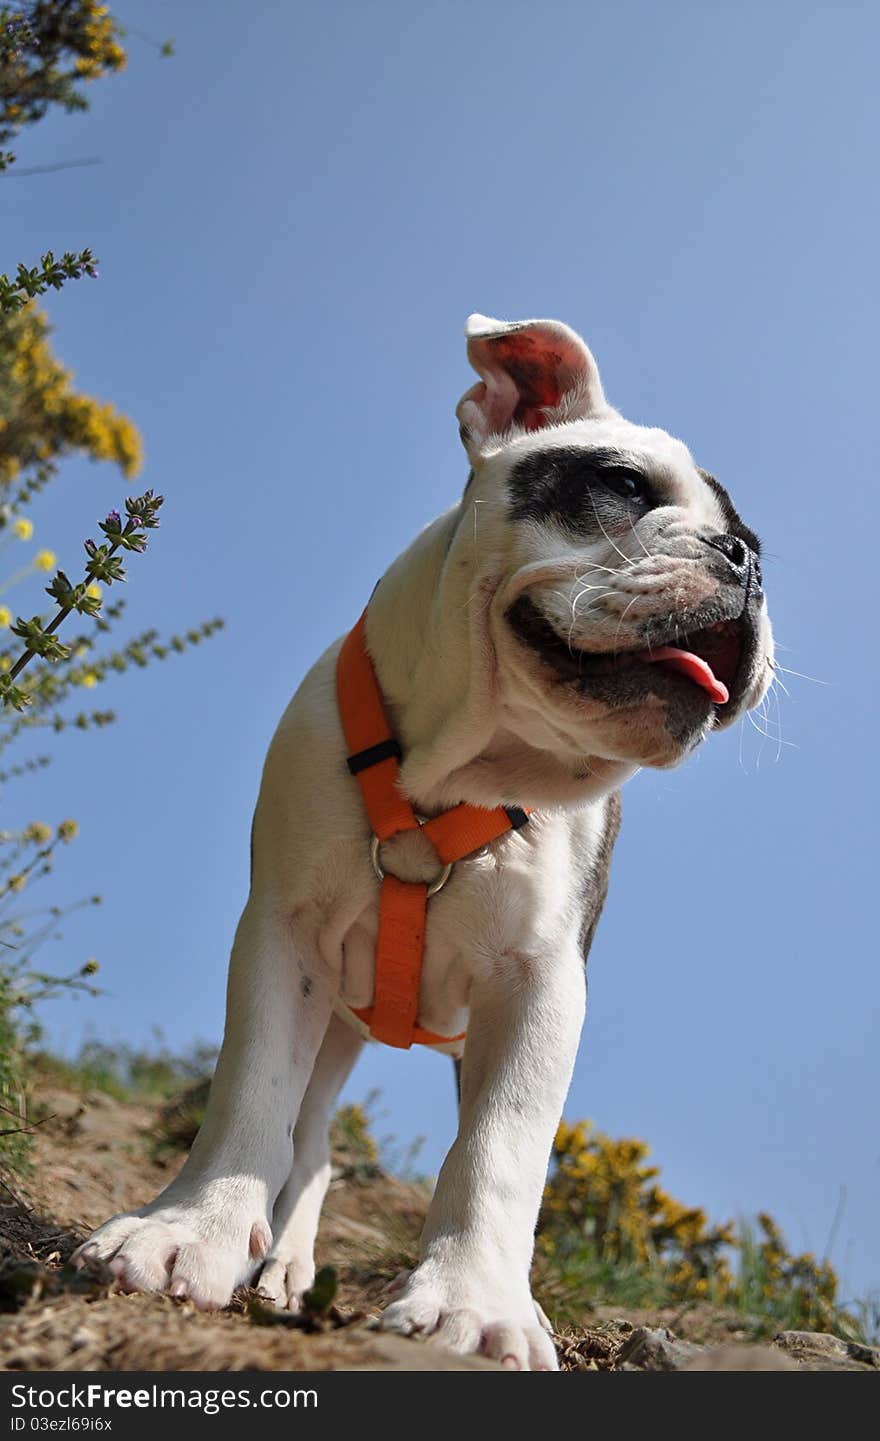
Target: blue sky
293	217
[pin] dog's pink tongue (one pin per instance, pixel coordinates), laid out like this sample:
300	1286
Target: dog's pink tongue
693	666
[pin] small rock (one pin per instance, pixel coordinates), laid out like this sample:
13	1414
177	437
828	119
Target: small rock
655	1349
820	1351
82	1337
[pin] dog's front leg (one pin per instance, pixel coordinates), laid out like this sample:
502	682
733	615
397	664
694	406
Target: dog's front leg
471	1288
204	1234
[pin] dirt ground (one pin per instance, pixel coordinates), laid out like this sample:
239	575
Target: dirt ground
95	1156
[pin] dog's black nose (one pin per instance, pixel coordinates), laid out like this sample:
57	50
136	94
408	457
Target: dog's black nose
733	549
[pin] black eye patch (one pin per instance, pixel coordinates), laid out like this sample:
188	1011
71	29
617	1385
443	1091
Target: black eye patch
577	488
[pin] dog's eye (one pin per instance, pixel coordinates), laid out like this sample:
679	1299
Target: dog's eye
629	484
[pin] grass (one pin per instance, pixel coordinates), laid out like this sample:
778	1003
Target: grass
571	1283
127	1073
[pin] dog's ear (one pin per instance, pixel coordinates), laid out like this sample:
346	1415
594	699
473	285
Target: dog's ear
533	373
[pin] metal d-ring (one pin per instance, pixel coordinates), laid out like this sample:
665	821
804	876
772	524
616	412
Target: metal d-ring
434	886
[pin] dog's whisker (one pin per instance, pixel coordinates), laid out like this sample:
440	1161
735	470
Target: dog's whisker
778	681
768	735
742	732
574	606
475	503
764	713
761	732
627	609
625	558
774	691
605	590
592	606
775	666
648	553
470	600
594	565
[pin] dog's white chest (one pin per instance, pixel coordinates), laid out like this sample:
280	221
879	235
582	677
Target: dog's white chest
515	903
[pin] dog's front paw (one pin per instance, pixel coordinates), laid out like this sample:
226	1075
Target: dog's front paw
468	1320
283	1283
181	1250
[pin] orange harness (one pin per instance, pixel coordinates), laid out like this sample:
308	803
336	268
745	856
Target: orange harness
374	761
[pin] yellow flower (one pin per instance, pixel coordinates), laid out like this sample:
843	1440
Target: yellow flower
89	679
23	528
68	830
38	831
93	591
45	560
62	418
5	616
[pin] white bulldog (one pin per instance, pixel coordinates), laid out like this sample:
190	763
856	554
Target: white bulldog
591	605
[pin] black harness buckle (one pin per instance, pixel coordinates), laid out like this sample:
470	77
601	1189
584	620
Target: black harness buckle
385	750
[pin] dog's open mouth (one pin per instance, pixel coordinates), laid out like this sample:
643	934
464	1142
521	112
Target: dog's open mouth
709	657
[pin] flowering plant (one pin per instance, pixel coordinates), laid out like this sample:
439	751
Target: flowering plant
48	50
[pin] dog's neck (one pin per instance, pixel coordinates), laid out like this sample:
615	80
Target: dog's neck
428	634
